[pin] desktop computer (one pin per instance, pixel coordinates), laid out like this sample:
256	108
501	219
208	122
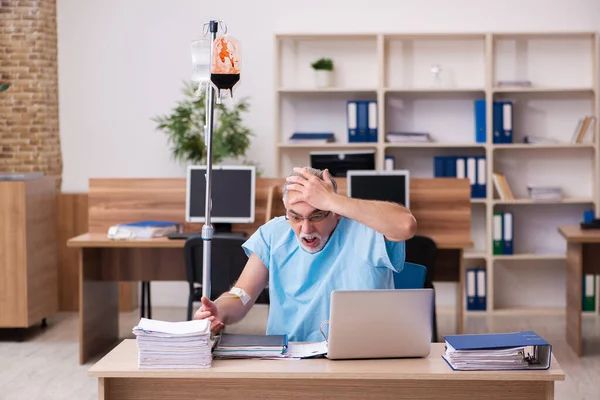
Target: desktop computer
380	185
340	162
233	197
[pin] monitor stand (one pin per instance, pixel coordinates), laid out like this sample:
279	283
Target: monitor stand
223	229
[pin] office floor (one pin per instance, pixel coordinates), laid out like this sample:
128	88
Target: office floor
46	364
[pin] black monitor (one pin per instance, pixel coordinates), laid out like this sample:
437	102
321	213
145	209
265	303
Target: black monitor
380	185
340	162
232	193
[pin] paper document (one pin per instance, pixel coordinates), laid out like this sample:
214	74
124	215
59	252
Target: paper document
169	329
306	350
163	344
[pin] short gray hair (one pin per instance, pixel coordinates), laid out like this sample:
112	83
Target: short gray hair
317	172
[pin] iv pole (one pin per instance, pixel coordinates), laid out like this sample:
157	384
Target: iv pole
207	229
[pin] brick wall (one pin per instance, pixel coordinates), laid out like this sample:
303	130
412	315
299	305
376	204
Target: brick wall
29	130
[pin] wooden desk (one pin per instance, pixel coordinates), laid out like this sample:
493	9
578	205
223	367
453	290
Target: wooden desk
420	378
583	252
442	207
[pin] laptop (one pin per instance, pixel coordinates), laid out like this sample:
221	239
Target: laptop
383	323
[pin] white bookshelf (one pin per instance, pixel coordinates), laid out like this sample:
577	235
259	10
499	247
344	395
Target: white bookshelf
394	69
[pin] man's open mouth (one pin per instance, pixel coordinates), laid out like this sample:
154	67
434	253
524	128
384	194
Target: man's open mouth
310	242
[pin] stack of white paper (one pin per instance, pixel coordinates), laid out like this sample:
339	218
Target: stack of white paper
497	359
542	192
163	345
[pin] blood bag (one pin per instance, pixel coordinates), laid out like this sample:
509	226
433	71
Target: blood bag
225	65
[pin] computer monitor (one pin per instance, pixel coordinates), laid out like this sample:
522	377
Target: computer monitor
340	162
232	193
380	185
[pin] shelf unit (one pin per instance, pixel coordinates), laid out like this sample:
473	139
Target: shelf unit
394	69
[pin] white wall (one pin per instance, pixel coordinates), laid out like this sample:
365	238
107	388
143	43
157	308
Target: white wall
121	62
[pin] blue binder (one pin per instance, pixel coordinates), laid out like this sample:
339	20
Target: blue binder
362	121
497	133
372	121
503	121
480	121
536	355
438	166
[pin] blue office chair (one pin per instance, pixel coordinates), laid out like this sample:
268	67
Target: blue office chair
412	276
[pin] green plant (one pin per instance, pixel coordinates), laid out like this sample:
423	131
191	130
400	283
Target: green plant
4	86
324	64
184	127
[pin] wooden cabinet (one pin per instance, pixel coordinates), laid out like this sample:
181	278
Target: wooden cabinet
28	251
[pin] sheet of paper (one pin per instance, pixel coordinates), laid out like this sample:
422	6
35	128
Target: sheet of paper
174	328
304	350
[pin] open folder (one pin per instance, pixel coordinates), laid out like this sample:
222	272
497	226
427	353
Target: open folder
502	351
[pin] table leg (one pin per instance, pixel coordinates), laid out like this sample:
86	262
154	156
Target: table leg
102	395
574	293
98	306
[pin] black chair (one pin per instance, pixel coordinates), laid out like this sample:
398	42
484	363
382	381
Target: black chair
422	250
228	260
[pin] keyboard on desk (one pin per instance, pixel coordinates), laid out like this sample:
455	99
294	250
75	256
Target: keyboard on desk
183	235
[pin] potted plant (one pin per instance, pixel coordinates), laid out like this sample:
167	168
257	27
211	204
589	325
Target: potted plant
184	128
323	72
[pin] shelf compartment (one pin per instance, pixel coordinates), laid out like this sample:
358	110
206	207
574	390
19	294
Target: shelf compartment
318	112
333	146
408	61
436	91
458	145
570	171
314	90
544	89
527	201
447	117
548	60
296	53
544	146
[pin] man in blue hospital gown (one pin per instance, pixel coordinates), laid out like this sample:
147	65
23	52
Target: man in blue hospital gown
325	241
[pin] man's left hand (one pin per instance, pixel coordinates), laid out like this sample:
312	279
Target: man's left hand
317	192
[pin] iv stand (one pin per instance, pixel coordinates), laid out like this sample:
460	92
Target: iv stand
207	229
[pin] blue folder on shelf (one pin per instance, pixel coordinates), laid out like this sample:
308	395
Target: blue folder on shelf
498	351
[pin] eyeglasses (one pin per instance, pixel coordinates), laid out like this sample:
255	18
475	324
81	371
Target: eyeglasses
296	219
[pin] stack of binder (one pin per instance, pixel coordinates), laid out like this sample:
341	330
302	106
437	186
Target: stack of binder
362	122
503	351
164	345
502	121
503	230
471	167
251	346
476	289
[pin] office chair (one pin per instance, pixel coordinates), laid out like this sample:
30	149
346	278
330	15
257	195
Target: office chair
228	260
422	250
412	276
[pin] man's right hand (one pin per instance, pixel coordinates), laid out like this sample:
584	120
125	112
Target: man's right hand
209	310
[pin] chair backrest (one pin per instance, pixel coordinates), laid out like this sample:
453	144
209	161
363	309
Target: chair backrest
412	276
422	250
227	261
